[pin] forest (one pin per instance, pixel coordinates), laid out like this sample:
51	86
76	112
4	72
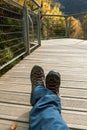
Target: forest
56	25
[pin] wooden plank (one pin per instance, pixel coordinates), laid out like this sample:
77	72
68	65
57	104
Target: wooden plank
21	113
64	92
22	80
15	97
14	112
75	119
74	104
5	125
73	93
13	87
62	68
15	80
74	84
68	103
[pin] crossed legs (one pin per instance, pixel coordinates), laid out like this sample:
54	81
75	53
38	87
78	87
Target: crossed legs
46	111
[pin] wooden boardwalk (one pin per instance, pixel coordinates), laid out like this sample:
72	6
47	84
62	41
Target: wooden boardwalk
69	57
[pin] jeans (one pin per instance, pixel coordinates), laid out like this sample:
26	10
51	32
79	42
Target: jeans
46	111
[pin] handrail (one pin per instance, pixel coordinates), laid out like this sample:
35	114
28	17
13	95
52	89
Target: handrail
37	4
54	15
17	38
64	26
76	14
4	65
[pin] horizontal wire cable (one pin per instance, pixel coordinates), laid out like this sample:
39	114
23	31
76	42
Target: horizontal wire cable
10	18
10	11
11	33
12	40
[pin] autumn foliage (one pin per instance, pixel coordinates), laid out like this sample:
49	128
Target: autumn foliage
52	25
55	25
76	30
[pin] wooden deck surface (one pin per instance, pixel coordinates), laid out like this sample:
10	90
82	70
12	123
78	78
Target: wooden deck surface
67	56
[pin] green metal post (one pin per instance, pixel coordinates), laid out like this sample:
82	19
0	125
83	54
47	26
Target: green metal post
67	28
26	29
39	29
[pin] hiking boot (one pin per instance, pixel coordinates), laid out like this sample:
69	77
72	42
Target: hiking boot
53	80
37	76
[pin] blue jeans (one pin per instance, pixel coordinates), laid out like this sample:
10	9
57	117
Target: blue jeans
46	111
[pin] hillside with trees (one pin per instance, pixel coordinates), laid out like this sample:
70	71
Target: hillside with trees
73	6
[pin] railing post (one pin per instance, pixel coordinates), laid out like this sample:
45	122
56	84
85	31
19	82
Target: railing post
39	29
67	25
47	29
85	30
26	28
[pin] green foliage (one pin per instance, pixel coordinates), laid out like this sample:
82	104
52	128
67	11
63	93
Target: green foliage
8	54
5	56
11	39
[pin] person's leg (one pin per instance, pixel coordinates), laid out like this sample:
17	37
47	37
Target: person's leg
46	111
37	78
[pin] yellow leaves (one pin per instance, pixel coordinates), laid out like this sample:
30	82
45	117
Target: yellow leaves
39	1
21	2
74	22
46	8
51	22
13	126
55	10
75	27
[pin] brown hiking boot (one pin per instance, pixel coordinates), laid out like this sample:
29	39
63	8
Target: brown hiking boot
53	80
37	76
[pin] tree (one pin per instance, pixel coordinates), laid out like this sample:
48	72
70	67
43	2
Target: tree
20	1
52	25
30	3
55	25
76	30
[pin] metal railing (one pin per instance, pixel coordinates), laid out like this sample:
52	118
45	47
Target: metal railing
53	26
64	26
31	29
19	32
78	26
